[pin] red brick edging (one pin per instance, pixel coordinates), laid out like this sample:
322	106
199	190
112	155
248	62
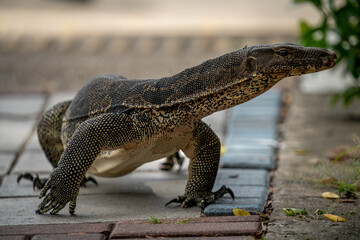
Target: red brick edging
204	226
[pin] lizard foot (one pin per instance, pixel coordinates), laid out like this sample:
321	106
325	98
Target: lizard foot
37	182
189	201
57	192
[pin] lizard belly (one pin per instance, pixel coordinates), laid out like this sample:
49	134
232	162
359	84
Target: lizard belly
115	163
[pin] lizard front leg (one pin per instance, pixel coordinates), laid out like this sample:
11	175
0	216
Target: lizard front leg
204	153
85	145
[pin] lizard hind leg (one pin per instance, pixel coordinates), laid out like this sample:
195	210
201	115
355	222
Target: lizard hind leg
49	135
38	182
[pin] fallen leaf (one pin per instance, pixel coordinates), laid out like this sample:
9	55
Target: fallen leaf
330	195
240	212
334	218
300	151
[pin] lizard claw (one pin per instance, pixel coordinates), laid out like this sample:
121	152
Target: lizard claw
222	191
37	181
202	205
202	201
179	199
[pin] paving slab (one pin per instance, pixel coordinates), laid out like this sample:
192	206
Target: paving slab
243	177
212	227
255	123
247	147
243	159
246	112
6	160
14	133
250	133
33	161
265	107
224	207
257	141
21	105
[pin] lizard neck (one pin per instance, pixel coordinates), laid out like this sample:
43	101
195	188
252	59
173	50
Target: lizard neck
245	90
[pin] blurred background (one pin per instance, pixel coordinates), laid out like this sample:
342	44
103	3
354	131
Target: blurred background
59	45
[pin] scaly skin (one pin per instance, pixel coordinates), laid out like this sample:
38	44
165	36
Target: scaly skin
114	125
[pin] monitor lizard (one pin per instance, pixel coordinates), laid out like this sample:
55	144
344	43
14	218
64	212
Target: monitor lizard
113	125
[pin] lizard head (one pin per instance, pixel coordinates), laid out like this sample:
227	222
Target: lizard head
283	60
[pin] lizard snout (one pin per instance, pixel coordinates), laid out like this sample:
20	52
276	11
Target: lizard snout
330	60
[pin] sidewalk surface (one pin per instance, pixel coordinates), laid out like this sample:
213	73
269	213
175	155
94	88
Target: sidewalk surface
49	49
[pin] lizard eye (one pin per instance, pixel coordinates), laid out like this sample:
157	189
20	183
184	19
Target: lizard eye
283	53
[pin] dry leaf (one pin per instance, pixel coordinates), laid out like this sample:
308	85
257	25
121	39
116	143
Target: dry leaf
334	218
240	212
330	195
300	151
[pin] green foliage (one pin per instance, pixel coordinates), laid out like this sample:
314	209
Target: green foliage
339	30
294	211
347	190
155	220
184	221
